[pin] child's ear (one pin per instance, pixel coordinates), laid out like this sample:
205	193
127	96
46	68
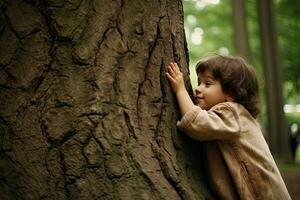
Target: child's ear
229	98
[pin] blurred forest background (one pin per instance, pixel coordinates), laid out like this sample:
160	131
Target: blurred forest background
209	26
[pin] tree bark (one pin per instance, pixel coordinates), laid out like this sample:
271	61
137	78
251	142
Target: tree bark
240	29
86	111
277	127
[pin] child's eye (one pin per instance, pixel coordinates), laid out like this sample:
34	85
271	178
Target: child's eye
208	83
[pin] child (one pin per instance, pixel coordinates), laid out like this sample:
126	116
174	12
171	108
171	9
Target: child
239	162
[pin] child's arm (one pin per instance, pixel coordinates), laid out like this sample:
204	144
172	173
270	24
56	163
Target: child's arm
219	123
177	83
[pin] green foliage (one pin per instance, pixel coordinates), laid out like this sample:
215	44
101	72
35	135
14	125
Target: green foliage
216	22
291	168
288	25
293	117
212	24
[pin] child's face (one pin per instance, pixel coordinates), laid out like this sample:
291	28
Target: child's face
209	91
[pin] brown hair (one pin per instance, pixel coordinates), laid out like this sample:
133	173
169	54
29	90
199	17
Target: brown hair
237	77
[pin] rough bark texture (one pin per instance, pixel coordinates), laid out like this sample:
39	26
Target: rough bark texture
86	111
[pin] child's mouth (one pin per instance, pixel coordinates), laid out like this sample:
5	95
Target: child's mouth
198	99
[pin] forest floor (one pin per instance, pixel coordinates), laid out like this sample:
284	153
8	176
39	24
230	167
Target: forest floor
291	175
292	181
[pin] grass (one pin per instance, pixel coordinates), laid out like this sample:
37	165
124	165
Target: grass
294	168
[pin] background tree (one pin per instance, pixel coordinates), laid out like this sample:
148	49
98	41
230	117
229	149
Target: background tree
241	41
85	109
277	128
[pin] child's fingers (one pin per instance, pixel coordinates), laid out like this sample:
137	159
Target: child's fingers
176	66
173	66
170	67
170	77
171	70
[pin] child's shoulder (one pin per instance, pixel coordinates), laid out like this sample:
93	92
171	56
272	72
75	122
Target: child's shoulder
227	105
236	108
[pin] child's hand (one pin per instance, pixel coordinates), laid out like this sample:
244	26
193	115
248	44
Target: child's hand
175	78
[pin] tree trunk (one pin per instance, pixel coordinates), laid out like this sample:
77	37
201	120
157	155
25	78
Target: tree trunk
240	29
277	128
86	111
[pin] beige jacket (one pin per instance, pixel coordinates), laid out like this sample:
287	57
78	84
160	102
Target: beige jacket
239	161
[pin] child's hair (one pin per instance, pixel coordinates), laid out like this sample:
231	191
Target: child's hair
237	77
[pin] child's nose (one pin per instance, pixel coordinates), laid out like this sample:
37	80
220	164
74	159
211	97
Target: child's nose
198	89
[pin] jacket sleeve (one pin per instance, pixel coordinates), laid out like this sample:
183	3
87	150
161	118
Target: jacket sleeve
220	122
